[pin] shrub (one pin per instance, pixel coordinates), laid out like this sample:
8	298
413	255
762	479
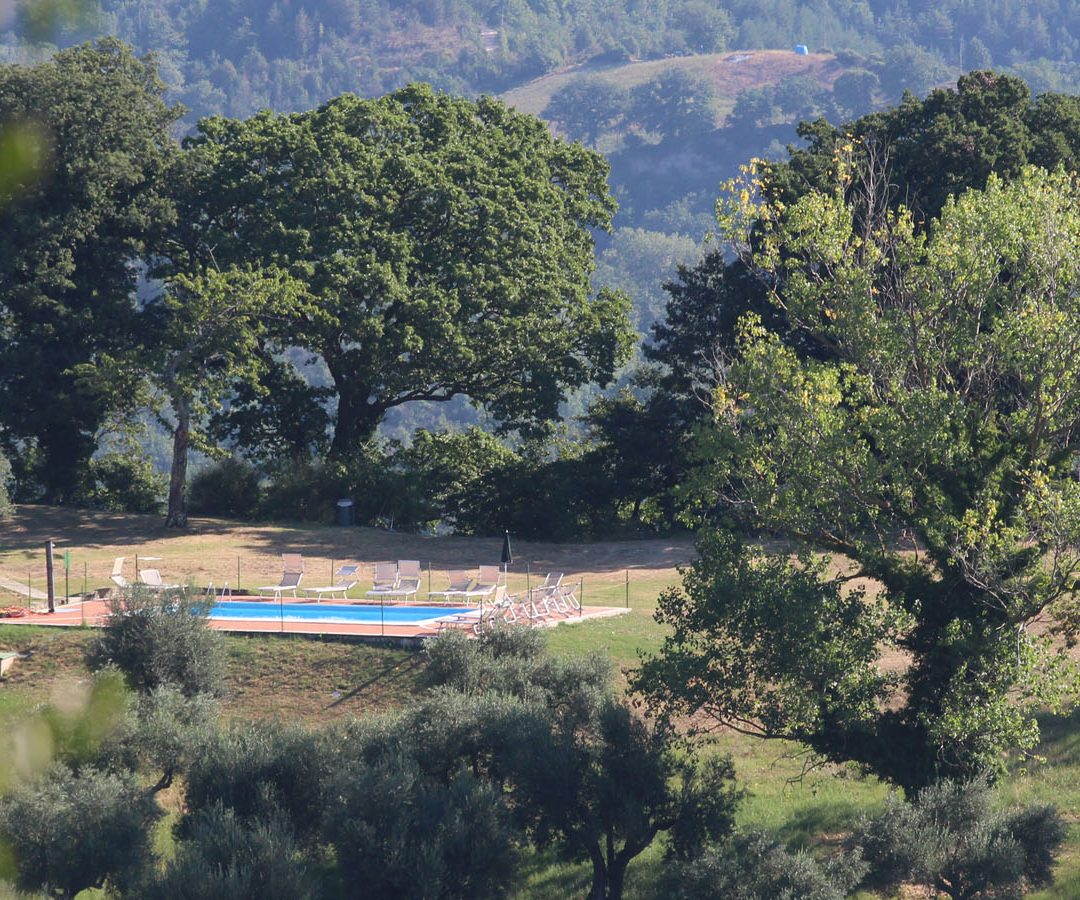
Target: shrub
161	638
305	491
262	773
400	833
952	839
162	731
124	481
585	772
755	867
228	488
226	856
70	831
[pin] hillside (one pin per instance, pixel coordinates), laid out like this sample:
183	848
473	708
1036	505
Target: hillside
730	73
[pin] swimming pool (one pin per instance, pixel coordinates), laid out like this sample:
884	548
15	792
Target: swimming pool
231	610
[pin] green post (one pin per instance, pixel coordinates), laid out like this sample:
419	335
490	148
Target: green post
84	579
627	588
429	580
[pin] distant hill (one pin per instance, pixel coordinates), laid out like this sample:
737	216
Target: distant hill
730	73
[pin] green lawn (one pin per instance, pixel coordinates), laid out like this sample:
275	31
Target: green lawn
320	681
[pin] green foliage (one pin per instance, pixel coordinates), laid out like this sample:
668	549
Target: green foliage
772	642
162	732
901	428
71	830
67	241
161	638
586	773
228	487
262	773
755	867
942	145
793	99
953	839
124	481
401	833
307	491
674	104
588	107
224	855
437	290
638	262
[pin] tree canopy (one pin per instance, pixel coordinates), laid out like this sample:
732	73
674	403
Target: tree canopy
445	244
930	448
69	237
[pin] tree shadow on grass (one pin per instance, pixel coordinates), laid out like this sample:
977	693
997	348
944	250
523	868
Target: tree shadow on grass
821	822
1060	738
33	525
392	672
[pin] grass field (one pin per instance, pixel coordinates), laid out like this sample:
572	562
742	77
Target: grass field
317	681
730	73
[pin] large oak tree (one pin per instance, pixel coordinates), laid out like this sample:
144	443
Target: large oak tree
446	243
71	228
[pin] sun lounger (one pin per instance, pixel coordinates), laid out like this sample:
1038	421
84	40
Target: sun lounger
541	594
293	570
565	596
486	584
346	578
459	583
408	580
151	578
501	609
117	576
386	579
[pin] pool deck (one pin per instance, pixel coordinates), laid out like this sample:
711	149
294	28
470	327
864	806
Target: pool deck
93	613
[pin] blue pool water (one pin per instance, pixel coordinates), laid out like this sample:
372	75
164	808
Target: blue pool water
333	612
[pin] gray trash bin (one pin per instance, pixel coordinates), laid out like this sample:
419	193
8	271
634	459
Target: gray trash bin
344	512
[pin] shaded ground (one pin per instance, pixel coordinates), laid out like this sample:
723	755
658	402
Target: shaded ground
212	550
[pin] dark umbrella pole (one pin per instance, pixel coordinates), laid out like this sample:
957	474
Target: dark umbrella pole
507	554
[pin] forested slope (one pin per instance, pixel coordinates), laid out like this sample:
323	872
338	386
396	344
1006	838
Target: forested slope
236	56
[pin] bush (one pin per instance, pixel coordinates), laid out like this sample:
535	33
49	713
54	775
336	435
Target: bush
952	839
755	867
306	491
125	481
225	856
70	831
585	772
400	833
161	638
163	730
228	488
262	773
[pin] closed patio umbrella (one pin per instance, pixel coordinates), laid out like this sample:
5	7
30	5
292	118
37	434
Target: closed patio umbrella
507	554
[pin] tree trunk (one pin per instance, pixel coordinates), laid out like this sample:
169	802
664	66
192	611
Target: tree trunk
177	514
599	876
357	419
616	877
